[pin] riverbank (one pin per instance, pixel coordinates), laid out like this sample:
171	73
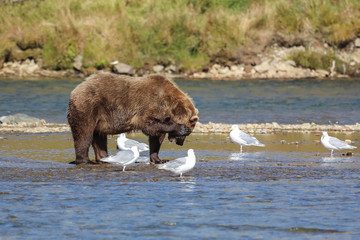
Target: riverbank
208	128
273	63
206	39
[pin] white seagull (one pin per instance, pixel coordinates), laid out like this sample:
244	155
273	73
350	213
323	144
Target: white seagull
180	165
124	143
333	143
243	139
123	158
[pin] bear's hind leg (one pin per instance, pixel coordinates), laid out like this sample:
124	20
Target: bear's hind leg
99	144
82	144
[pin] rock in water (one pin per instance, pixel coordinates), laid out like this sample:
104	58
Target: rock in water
19	118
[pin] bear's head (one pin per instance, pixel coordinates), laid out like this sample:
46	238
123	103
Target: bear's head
186	116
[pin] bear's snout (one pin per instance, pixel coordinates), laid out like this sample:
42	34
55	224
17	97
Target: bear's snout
179	134
184	130
180	140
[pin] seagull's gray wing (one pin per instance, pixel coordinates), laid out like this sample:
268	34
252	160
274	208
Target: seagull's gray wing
338	143
250	140
120	157
173	164
244	135
128	154
141	146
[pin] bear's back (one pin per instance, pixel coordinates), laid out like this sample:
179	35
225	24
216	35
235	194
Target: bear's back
105	83
101	83
154	93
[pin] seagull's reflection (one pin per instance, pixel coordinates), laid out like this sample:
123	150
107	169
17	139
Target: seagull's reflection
329	159
336	159
241	156
189	183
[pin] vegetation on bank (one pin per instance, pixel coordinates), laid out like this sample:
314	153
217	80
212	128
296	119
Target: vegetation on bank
314	61
186	33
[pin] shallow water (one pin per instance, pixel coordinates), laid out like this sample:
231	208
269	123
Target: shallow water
245	101
289	189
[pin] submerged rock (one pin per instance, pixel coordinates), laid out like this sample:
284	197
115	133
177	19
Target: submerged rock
19	118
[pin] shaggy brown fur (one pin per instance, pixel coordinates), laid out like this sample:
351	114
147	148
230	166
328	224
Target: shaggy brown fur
111	104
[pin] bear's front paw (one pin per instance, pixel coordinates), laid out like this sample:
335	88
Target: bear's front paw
159	161
163	161
101	162
81	162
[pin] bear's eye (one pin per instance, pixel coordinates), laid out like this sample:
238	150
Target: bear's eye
167	119
194	119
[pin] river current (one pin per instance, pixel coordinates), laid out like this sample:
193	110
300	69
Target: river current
289	189
246	101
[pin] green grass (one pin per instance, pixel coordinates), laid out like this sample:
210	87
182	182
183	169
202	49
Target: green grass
316	61
337	21
187	33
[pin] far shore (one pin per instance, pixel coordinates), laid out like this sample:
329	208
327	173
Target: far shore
18	71
208	128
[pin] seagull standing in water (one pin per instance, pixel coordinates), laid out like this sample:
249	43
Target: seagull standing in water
243	139
333	143
180	165
123	158
124	143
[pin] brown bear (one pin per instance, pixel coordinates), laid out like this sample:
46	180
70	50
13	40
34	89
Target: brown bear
111	104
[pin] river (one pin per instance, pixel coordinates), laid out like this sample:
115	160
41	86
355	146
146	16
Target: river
289	189
246	101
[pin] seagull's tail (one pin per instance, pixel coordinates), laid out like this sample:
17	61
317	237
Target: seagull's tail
259	144
351	147
161	166
108	159
144	149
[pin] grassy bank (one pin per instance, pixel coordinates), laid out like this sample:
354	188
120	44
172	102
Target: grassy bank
186	33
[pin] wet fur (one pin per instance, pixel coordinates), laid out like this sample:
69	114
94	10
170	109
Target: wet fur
111	104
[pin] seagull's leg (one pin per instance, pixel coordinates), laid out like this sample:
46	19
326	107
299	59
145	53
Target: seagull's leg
332	153
241	148
181	175
124	168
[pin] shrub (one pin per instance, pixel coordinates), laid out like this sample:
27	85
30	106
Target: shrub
59	56
182	32
315	60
